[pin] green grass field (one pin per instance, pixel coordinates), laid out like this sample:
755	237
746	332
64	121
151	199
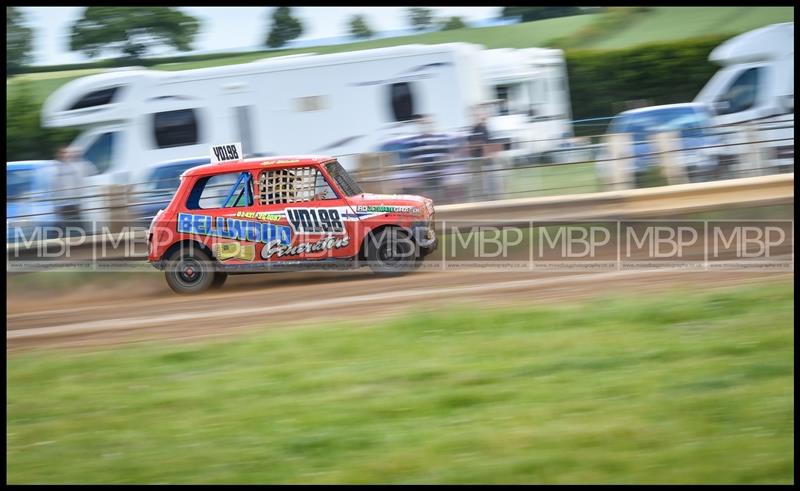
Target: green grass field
676	389
675	23
660	24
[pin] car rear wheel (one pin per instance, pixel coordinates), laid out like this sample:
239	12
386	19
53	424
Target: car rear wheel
392	251
190	272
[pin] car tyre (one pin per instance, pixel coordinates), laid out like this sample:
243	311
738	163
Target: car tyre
190	272
392	252
219	280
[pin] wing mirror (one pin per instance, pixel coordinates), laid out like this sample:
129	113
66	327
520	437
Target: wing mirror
721	106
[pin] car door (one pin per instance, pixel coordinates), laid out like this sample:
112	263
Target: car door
301	198
220	208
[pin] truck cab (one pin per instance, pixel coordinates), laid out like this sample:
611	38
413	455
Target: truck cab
752	95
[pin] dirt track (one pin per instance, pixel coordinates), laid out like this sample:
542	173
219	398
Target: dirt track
279	300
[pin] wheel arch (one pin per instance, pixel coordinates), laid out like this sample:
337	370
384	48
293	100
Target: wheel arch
189	244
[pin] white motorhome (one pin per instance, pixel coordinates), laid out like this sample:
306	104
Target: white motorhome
336	104
531	98
752	95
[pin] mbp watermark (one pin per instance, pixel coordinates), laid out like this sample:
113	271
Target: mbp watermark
581	246
763	244
462	246
661	244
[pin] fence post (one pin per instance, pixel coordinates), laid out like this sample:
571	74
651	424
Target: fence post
755	150
670	157
117	209
619	174
371	165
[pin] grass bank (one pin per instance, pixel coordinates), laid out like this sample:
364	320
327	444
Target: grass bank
674	389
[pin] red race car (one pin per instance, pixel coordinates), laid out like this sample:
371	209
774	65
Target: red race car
282	214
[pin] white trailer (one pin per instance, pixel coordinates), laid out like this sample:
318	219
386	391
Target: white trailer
335	104
531	98
340	104
752	96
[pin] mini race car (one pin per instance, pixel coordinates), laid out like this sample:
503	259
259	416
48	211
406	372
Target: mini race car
272	214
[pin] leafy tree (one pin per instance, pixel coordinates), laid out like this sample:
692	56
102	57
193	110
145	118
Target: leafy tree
18	41
420	18
359	28
454	22
529	14
25	137
132	31
284	28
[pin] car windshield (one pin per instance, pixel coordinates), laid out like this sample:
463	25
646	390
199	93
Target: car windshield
347	184
167	178
669	119
19	182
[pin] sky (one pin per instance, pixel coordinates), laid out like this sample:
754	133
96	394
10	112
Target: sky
226	28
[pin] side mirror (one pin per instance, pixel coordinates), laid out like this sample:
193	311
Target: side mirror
721	106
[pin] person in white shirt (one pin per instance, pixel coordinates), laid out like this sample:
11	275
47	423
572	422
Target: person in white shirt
70	174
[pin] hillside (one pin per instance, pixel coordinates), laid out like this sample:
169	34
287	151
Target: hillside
675	23
657	24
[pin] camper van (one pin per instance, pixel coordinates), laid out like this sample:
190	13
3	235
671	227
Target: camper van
340	104
337	104
752	97
531	107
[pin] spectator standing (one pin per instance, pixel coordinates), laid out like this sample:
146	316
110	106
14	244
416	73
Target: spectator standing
70	174
431	147
480	145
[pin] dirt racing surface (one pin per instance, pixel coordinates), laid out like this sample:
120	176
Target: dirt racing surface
149	311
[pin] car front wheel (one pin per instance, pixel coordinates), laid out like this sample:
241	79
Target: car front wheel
392	251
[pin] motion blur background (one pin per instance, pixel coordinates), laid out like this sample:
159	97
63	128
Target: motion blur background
107	106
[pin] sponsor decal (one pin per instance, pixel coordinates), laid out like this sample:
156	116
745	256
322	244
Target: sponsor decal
234	250
289	161
275	248
315	220
407	210
224	153
233	228
260	215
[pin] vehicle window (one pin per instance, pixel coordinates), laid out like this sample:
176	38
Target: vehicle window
501	91
402	100
346	183
230	190
280	186
175	128
18	183
96	98
99	154
168	178
676	120
742	93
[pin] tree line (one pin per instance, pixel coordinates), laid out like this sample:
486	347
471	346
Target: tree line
132	33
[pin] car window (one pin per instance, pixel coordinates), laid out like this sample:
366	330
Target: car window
100	153
346	183
232	190
18	183
741	95
281	186
168	178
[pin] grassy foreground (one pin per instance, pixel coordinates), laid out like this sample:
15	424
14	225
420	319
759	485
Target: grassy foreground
674	389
